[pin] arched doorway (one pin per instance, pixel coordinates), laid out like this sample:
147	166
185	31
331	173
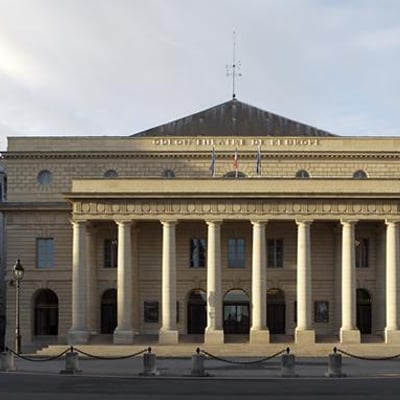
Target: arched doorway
196	312
276	311
46	313
109	311
364	312
236	312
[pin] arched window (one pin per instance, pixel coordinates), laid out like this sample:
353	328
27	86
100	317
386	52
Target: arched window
45	177
46	313
109	311
168	173
236	312
302	174
360	174
111	174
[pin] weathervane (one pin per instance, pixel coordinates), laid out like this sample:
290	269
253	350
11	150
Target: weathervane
234	69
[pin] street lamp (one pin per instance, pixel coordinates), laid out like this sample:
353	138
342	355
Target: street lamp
18	273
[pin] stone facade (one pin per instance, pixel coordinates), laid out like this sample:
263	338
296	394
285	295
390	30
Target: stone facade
318	254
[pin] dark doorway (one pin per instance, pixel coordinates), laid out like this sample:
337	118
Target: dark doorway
197	314
109	311
276	311
364	312
236	312
46	313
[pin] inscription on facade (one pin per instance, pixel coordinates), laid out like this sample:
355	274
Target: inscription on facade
207	142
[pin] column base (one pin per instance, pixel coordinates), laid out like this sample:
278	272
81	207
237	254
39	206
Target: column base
212	336
350	336
78	337
259	336
392	336
304	336
168	337
123	336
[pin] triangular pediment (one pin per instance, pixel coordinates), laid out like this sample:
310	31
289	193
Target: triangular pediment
234	118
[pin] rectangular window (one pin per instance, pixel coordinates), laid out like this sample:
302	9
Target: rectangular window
321	311
45	252
236	253
110	253
151	311
362	253
275	253
197	253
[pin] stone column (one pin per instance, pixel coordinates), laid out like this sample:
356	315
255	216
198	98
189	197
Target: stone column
304	333
123	333
392	332
259	332
348	331
92	302
168	333
79	334
136	281
214	333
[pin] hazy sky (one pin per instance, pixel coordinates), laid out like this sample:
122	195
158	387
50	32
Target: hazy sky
116	67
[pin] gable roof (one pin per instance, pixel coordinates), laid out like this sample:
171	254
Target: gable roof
234	118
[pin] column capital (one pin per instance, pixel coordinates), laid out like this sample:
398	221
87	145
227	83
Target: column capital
78	221
390	221
304	221
169	221
214	221
259	221
124	222
345	221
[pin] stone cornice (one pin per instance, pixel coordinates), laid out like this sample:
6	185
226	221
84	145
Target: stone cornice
221	155
36	206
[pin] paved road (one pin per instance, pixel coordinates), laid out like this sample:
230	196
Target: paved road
44	387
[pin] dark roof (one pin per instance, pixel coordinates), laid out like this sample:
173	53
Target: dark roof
234	118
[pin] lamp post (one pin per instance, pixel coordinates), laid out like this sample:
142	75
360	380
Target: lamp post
18	273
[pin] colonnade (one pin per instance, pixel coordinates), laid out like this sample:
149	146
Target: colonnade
304	332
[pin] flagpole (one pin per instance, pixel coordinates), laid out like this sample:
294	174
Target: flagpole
212	165
236	163
258	161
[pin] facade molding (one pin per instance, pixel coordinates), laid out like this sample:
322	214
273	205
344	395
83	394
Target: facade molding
235	209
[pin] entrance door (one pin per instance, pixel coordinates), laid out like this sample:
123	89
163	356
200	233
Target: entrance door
46	313
276	311
197	314
109	311
236	312
364	314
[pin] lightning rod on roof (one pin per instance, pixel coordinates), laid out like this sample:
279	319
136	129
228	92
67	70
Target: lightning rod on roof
234	69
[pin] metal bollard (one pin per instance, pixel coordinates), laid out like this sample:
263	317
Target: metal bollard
7	361
71	363
198	364
335	365
149	364
288	363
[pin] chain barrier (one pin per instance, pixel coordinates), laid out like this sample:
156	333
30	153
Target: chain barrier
336	350
39	358
287	350
148	350
71	349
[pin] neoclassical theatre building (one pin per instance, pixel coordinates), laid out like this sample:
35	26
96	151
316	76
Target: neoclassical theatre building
231	221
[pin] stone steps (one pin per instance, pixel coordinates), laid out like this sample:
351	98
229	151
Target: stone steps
229	349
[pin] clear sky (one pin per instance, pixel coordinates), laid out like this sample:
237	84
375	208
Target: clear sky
116	67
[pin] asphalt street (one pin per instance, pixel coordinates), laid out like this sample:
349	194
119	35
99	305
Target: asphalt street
18	386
